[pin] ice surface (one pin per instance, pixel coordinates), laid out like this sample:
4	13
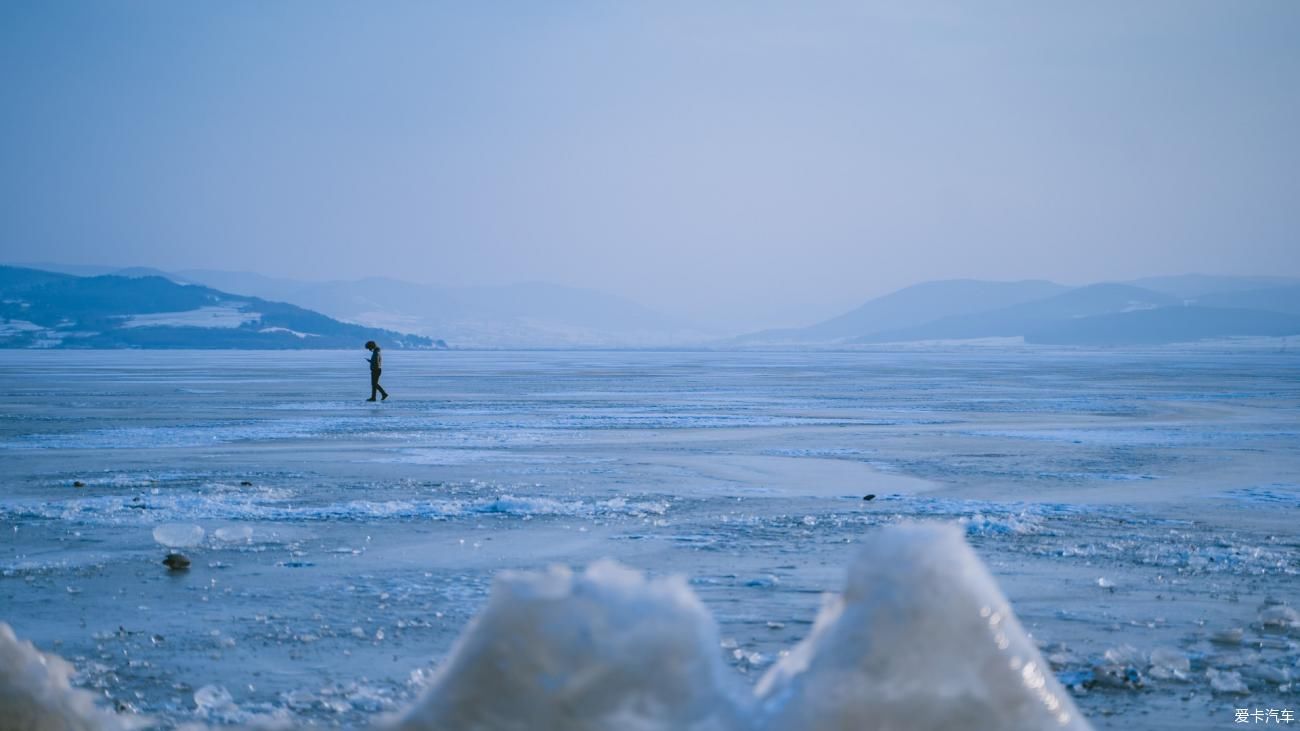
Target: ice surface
744	471
273	505
921	639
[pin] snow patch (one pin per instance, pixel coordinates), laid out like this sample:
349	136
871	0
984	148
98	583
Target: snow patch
295	333
216	316
10	328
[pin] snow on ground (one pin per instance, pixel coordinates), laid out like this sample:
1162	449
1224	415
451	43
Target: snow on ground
295	333
223	316
15	327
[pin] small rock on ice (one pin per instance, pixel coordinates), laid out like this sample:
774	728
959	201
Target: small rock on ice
176	562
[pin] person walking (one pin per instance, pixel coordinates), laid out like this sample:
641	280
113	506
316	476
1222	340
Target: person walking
376	367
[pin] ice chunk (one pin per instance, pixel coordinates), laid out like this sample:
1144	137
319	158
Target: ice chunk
178	535
921	639
1226	681
1169	664
1279	617
212	698
231	534
214	703
1116	675
1124	655
1268	673
1230	636
36	695
604	649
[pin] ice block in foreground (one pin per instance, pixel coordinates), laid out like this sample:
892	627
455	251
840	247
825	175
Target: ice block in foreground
921	639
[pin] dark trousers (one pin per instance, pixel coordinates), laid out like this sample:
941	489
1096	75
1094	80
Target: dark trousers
374	384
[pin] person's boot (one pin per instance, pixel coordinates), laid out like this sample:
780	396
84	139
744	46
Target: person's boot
372	398
384	397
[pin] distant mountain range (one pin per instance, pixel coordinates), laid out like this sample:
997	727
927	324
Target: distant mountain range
140	307
53	310
531	314
911	307
1149	311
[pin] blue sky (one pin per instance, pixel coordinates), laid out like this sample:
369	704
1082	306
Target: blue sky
752	163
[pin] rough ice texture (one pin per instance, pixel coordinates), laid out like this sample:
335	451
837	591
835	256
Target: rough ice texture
604	649
36	695
921	639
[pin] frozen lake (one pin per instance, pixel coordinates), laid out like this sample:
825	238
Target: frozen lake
1139	509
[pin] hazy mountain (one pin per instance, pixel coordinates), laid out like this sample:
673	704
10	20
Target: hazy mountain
532	314
970	309
249	283
1195	286
80	270
537	314
377	298
137	272
1016	320
1274	299
49	309
1162	325
914	306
